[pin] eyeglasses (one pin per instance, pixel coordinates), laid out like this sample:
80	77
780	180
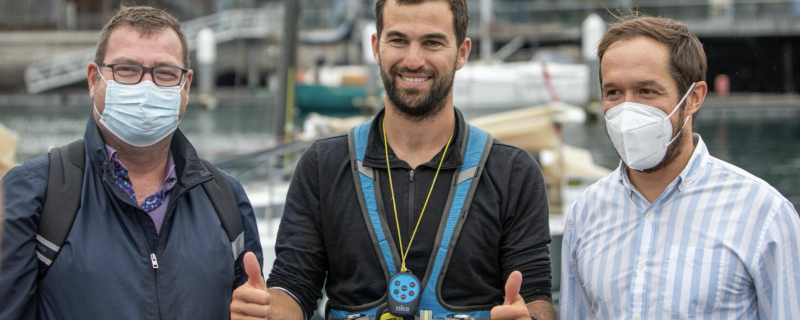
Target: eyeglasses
163	76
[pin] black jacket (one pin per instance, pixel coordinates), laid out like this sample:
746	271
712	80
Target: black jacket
323	235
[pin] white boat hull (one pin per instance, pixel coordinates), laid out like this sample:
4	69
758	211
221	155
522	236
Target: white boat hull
518	85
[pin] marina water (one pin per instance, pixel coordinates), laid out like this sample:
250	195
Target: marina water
767	148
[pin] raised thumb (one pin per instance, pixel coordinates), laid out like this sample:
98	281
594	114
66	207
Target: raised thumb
512	287
253	270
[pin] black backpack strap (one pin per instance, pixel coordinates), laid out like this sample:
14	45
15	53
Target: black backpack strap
227	209
63	197
61	203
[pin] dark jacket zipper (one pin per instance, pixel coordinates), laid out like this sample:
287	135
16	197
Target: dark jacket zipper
411	223
153	257
153	263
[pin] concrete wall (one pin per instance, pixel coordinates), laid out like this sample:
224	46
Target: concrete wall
19	49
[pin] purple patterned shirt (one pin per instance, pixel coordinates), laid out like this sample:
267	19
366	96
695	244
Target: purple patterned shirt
153	204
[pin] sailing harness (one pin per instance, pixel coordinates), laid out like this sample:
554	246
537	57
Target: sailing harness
475	149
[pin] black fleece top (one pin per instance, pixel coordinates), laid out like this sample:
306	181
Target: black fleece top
323	238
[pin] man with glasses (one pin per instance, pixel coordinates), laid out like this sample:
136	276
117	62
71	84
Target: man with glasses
146	242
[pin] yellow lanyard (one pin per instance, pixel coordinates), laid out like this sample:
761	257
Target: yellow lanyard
403	253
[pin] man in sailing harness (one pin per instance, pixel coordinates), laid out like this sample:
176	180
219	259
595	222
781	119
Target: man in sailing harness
415	213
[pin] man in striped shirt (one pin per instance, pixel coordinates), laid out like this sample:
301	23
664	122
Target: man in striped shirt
673	233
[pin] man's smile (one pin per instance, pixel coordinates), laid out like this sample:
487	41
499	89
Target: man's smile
416	80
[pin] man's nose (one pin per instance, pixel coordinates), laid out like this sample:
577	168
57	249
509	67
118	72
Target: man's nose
148	75
630	96
415	58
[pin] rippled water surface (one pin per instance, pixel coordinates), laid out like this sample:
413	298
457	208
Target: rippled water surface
769	149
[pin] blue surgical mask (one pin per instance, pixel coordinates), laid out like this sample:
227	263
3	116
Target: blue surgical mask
141	114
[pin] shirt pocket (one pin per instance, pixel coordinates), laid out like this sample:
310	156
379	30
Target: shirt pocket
691	279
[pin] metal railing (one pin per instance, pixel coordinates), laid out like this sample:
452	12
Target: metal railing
572	13
38	14
718	17
228	25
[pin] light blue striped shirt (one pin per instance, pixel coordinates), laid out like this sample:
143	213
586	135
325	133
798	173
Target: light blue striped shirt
718	243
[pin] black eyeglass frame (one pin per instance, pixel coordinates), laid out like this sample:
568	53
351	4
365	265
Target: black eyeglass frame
184	71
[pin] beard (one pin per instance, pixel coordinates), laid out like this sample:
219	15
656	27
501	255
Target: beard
415	104
675	148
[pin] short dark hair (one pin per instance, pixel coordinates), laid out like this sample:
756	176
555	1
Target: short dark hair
146	20
687	59
458	7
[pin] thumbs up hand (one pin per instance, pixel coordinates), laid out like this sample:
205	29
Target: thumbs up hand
253	270
513	307
251	300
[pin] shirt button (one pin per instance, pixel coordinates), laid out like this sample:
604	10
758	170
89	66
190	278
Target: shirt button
649	215
641	265
636	316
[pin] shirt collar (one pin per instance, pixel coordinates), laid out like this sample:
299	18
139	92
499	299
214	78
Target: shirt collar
696	163
687	176
170	176
375	155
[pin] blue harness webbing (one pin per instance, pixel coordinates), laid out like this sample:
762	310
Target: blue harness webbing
478	145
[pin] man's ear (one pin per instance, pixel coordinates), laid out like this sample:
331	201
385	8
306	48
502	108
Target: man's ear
695	99
91	78
376	48
189	75
463	53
